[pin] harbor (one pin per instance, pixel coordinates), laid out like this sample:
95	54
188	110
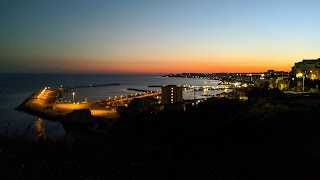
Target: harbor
47	103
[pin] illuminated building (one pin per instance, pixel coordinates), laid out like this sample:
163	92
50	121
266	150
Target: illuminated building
270	73
171	94
309	68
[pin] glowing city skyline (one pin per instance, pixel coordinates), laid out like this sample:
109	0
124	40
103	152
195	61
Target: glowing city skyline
168	36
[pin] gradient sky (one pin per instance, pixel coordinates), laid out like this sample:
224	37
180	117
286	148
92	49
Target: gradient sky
157	36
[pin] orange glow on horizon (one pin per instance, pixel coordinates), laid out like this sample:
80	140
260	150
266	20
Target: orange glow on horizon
171	65
178	67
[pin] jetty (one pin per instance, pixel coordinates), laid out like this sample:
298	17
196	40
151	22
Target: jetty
139	90
65	89
40	104
45	103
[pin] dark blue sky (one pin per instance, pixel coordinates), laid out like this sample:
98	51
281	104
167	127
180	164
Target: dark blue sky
146	35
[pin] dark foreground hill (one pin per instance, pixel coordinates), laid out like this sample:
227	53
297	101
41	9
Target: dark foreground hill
264	138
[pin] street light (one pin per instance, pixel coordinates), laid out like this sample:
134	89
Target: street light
302	83
301	75
73	93
293	81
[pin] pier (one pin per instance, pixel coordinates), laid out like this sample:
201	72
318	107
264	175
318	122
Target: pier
45	103
113	103
88	86
139	90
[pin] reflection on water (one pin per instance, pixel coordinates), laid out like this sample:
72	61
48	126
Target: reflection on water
205	91
41	133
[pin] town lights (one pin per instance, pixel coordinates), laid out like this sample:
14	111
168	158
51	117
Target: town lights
301	75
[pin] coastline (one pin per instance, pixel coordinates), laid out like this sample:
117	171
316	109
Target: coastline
43	104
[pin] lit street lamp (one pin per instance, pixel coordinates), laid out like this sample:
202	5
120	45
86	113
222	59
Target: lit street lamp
73	93
302	83
293	81
301	75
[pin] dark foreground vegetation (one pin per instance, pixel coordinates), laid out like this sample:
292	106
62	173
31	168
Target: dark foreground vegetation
269	137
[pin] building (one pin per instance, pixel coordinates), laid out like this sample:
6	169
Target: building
171	94
270	73
282	82
309	68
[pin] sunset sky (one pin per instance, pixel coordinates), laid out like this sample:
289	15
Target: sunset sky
157	36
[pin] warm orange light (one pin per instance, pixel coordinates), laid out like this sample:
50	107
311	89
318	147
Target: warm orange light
176	64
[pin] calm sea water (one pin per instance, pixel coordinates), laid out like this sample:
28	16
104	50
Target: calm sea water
15	88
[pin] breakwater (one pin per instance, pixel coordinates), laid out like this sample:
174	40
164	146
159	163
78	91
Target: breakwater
40	104
45	104
139	90
88	86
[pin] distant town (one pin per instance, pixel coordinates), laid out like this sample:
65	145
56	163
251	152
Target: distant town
304	77
248	78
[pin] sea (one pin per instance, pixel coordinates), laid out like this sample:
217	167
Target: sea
15	88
